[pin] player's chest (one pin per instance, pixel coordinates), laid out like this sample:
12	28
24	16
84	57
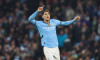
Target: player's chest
47	26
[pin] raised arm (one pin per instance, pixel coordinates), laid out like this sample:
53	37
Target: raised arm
67	22
32	17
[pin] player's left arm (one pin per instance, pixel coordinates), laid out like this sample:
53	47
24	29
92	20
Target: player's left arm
68	22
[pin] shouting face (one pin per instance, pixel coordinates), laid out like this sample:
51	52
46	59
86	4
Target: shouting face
46	15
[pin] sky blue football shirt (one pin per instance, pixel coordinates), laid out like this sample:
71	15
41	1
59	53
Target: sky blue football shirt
48	33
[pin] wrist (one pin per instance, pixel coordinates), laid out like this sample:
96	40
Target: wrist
38	10
74	19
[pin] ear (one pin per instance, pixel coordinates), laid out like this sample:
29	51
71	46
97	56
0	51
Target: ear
42	16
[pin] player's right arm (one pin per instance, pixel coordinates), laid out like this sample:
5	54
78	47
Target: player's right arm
32	17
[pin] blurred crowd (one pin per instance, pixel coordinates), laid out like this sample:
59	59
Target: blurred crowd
20	40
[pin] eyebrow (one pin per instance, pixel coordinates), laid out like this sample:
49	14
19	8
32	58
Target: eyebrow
46	13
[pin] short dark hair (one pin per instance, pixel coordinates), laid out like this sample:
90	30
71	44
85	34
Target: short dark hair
46	11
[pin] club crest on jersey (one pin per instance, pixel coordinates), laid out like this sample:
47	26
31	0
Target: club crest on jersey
48	24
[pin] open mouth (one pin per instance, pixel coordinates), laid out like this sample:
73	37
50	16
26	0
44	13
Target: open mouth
47	17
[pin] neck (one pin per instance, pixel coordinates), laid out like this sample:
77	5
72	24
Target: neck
46	21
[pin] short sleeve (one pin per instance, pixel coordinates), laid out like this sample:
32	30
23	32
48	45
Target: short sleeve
57	22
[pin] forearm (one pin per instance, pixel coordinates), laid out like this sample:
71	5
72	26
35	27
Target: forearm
33	16
67	22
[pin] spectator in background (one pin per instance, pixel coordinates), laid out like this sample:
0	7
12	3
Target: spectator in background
94	23
61	38
87	16
72	34
82	20
69	12
83	39
98	12
17	54
31	31
85	29
78	32
98	26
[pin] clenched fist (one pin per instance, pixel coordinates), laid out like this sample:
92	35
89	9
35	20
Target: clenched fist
77	18
40	9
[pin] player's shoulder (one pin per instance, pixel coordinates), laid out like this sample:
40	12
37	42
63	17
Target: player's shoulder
53	20
39	21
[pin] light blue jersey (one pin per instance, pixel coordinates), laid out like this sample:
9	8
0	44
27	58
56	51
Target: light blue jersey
48	33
